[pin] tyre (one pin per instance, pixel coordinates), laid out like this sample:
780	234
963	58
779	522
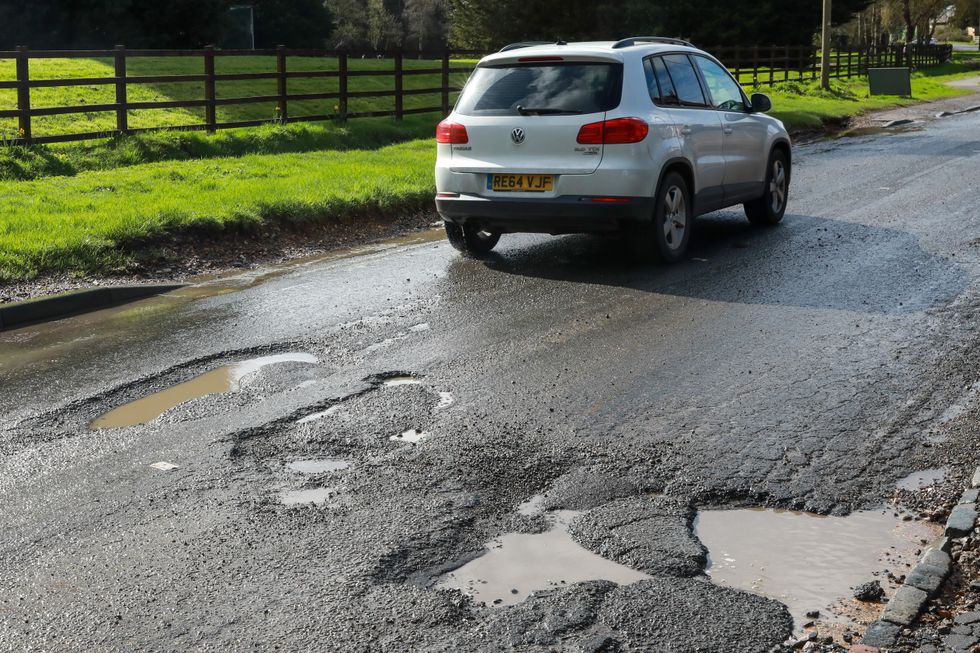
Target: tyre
770	208
666	237
470	240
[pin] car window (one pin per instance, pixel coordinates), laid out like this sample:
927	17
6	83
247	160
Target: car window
685	80
662	91
542	89
725	92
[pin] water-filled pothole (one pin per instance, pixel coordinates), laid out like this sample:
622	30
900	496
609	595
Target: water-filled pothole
411	435
921	480
395	381
806	561
325	466
226	378
315	496
517	564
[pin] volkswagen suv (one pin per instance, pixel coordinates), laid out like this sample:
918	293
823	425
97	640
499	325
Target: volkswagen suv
637	137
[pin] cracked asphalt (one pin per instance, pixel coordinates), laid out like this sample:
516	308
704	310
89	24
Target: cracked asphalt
807	366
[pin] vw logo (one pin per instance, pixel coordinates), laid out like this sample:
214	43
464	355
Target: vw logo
517	136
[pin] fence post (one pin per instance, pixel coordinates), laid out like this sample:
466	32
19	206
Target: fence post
755	65
122	114
445	82
342	84
210	113
24	94
399	87
281	83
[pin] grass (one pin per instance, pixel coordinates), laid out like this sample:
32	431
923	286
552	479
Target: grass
26	163
144	66
804	105
90	207
91	221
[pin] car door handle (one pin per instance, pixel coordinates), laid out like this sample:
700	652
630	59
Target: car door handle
686	130
729	130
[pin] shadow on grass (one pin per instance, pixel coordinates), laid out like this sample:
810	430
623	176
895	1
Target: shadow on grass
25	163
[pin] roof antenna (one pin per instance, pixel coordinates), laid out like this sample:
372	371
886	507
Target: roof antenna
560	42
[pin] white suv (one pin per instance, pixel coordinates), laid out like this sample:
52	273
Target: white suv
639	136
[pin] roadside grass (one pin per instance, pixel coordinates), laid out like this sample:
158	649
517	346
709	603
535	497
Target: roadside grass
33	162
804	105
96	220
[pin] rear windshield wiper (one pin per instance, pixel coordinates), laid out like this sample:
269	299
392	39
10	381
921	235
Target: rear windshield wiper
544	111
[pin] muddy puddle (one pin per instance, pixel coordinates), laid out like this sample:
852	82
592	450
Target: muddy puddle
226	378
517	564
325	466
809	562
922	480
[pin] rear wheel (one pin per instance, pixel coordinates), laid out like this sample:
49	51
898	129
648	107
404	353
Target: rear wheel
667	235
470	240
770	208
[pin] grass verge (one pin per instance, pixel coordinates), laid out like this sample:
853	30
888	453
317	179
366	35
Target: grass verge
805	106
95	221
25	163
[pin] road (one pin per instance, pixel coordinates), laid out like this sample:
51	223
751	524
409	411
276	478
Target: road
805	366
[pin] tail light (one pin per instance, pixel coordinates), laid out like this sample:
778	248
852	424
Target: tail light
613	132
452	133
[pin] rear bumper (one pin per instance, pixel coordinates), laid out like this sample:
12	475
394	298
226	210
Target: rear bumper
566	214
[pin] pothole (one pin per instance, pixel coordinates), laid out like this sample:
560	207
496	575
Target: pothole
517	564
396	381
445	400
325	466
226	378
315	496
333	410
809	562
411	436
922	480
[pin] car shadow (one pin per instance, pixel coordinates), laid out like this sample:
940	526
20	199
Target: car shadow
805	262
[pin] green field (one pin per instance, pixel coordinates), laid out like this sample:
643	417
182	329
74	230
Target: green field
91	207
145	66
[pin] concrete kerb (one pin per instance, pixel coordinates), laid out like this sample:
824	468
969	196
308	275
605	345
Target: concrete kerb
43	309
927	577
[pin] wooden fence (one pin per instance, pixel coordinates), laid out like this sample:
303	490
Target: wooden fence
758	65
751	66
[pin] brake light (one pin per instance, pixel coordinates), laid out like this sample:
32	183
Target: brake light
452	133
613	132
537	59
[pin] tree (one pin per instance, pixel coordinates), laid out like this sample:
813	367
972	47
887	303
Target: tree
917	16
708	22
425	23
293	23
384	29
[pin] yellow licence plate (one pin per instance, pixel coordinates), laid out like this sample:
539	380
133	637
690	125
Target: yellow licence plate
521	183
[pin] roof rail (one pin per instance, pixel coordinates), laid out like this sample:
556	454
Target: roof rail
636	40
527	44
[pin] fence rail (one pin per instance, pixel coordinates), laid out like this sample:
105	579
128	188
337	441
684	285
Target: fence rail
755	65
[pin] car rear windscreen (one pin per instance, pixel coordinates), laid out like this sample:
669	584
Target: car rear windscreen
565	88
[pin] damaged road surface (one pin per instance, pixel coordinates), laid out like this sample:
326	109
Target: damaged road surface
424	407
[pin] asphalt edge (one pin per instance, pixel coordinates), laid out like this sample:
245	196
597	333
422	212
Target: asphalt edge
43	309
926	578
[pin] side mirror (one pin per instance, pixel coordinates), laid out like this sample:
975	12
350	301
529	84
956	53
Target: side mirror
760	103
